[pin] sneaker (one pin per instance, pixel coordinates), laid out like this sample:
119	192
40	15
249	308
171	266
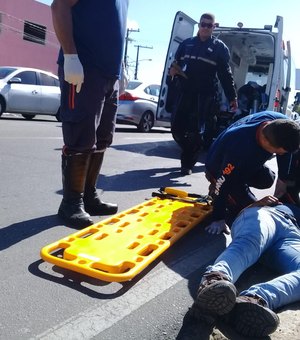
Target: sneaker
252	318
216	294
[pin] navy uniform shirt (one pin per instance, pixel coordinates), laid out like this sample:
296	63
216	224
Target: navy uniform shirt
202	62
99	28
236	156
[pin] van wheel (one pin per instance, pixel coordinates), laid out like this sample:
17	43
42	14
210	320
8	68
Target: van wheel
28	117
147	122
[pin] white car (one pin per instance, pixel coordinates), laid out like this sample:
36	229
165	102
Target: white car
29	91
138	104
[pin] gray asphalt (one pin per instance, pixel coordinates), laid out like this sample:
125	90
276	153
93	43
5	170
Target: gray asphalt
42	301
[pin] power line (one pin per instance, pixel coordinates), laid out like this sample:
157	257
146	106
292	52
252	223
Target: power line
28	35
23	21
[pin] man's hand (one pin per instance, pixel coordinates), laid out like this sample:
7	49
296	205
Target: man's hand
73	71
176	70
218	227
267	200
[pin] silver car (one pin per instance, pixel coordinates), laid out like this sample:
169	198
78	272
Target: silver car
29	91
137	105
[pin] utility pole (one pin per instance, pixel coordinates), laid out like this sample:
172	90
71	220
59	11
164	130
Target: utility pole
137	58
129	30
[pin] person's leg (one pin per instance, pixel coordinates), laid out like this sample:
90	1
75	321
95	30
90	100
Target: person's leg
283	257
71	210
241	195
253	313
207	107
254	230
185	133
191	147
78	111
263	179
105	120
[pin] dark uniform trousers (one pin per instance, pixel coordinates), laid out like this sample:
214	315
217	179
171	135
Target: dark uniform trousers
89	118
193	125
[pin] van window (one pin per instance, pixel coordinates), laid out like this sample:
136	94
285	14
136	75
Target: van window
259	78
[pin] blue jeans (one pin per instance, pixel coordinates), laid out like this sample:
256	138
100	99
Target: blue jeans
264	233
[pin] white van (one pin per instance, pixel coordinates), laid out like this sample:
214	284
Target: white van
260	60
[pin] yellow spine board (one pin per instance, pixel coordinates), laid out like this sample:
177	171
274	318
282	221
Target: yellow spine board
118	248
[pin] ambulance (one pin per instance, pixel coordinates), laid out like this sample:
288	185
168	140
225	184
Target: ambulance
261	64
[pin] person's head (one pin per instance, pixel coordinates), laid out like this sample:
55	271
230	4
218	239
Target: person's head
281	136
206	26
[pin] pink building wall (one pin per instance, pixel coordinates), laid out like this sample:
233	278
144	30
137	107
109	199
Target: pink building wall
14	50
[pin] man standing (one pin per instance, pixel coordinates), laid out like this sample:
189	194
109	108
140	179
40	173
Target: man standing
198	61
92	35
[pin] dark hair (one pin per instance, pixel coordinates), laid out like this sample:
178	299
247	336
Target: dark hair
208	16
283	133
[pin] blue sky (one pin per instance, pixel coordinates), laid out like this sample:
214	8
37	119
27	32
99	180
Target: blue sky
154	19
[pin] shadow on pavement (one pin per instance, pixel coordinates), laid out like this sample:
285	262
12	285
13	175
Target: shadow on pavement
17	232
135	180
84	284
165	149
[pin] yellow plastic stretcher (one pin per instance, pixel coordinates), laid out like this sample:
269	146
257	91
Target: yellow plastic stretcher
118	248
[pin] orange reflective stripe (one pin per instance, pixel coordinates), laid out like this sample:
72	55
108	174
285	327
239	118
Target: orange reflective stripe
72	96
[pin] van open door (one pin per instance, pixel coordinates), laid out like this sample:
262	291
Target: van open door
183	28
287	76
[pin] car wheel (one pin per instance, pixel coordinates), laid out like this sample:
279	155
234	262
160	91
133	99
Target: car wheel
146	122
2	106
57	116
28	117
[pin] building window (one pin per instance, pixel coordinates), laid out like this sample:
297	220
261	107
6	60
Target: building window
34	32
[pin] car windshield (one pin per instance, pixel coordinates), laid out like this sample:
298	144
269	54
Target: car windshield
5	71
133	85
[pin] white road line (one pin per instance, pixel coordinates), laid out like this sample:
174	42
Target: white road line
90	323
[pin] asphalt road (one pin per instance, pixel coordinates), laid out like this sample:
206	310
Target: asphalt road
42	301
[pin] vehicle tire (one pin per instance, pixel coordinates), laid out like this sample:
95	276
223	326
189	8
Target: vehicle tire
147	122
28	117
57	116
2	106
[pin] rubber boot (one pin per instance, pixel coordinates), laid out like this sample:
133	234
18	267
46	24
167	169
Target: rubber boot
92	203
74	171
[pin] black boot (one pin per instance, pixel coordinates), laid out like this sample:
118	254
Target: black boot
74	171
92	203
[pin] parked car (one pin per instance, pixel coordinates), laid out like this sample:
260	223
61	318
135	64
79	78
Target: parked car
138	104
29	91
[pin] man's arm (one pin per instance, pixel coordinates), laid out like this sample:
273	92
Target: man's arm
62	22
63	26
226	78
